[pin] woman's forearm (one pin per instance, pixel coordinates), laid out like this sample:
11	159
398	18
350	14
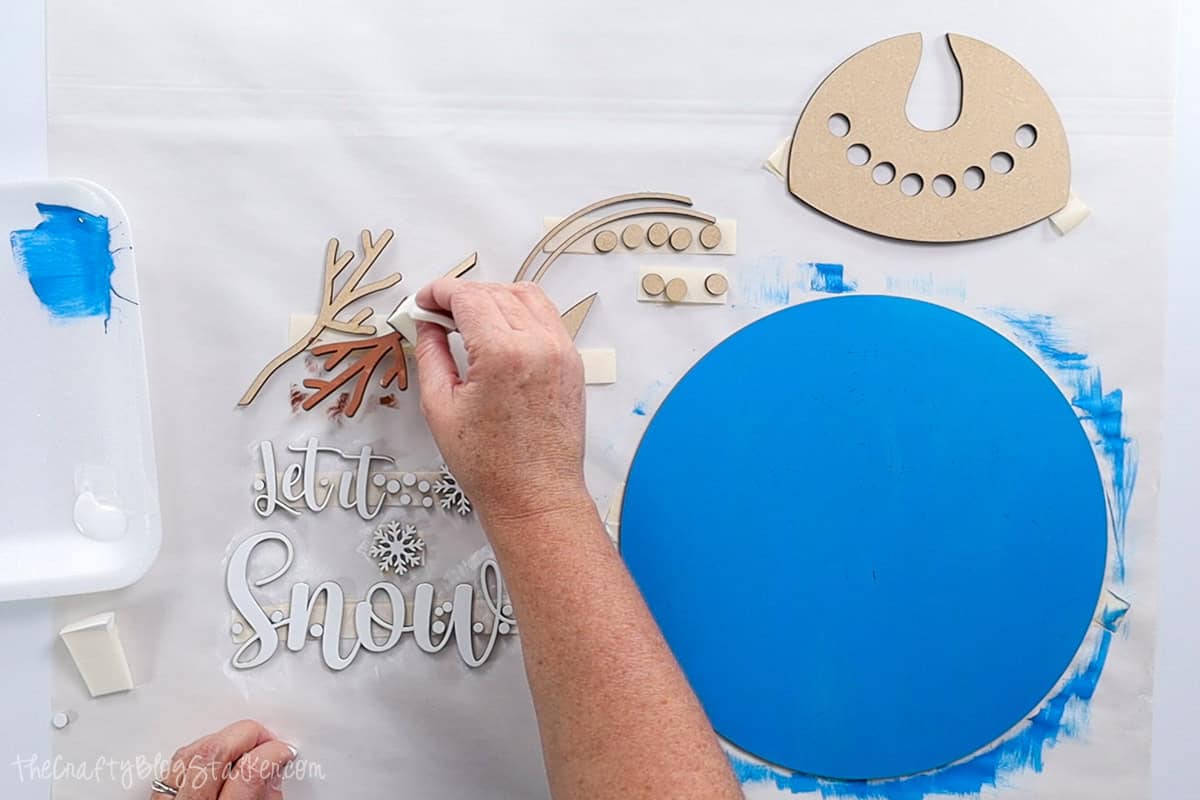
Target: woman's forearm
617	717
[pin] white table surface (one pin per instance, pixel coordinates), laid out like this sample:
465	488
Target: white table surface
26	631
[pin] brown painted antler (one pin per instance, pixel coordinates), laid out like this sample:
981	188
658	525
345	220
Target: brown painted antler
370	354
333	304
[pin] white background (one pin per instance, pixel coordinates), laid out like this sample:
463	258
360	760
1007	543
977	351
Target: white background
1071	84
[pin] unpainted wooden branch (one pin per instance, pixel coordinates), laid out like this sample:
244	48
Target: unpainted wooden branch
334	301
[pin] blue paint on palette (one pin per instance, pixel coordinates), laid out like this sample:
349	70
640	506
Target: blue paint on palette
1104	410
923	491
67	261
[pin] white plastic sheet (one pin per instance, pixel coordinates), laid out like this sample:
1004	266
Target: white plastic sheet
240	137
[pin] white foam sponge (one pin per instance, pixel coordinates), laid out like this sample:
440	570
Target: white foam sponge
96	648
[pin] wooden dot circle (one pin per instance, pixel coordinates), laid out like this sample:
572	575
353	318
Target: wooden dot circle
633	236
676	289
605	241
657	234
653	284
710	237
716	284
680	239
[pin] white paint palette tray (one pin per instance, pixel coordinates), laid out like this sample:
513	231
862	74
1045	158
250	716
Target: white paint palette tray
80	500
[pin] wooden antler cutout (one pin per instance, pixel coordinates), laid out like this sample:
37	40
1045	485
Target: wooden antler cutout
1002	165
333	303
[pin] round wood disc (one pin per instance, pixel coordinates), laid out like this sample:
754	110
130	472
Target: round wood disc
653	284
715	284
710	237
633	236
680	239
605	241
657	234
676	289
905	617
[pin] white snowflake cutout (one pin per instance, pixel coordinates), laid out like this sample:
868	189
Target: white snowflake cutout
397	548
450	493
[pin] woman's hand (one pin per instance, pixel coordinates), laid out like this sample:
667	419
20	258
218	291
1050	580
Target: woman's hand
243	761
512	432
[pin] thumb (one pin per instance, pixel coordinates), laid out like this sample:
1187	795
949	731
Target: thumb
436	369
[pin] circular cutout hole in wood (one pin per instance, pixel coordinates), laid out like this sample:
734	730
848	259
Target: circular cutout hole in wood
973	178
858	154
1002	163
653	284
943	186
710	237
912	184
676	290
716	284
633	236
839	125
681	238
657	234
1026	136
605	241
884	173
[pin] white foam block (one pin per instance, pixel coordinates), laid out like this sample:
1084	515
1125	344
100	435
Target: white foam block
1069	216
96	649
599	365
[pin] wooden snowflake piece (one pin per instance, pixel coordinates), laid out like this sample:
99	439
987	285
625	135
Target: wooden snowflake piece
397	548
451	494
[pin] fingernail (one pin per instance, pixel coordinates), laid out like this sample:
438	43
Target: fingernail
291	749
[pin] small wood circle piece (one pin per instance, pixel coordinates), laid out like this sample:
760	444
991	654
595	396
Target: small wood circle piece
710	237
680	239
716	284
605	241
653	284
657	234
633	236
676	290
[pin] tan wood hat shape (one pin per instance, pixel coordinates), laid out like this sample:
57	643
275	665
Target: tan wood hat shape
1002	165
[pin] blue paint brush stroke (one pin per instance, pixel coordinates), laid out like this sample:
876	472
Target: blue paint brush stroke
1064	714
829	278
772	282
1104	410
68	262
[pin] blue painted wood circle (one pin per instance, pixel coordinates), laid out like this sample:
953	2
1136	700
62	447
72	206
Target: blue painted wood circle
873	532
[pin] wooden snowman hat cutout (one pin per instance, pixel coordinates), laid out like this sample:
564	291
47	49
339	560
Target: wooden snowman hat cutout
1002	165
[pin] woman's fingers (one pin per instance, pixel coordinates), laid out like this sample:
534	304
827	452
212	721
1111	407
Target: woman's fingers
258	775
199	770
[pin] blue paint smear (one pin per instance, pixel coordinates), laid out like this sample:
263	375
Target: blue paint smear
829	278
68	262
1063	715
772	282
1066	713
639	408
926	285
1104	410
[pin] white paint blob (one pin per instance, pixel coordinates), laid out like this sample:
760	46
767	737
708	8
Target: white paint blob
98	520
